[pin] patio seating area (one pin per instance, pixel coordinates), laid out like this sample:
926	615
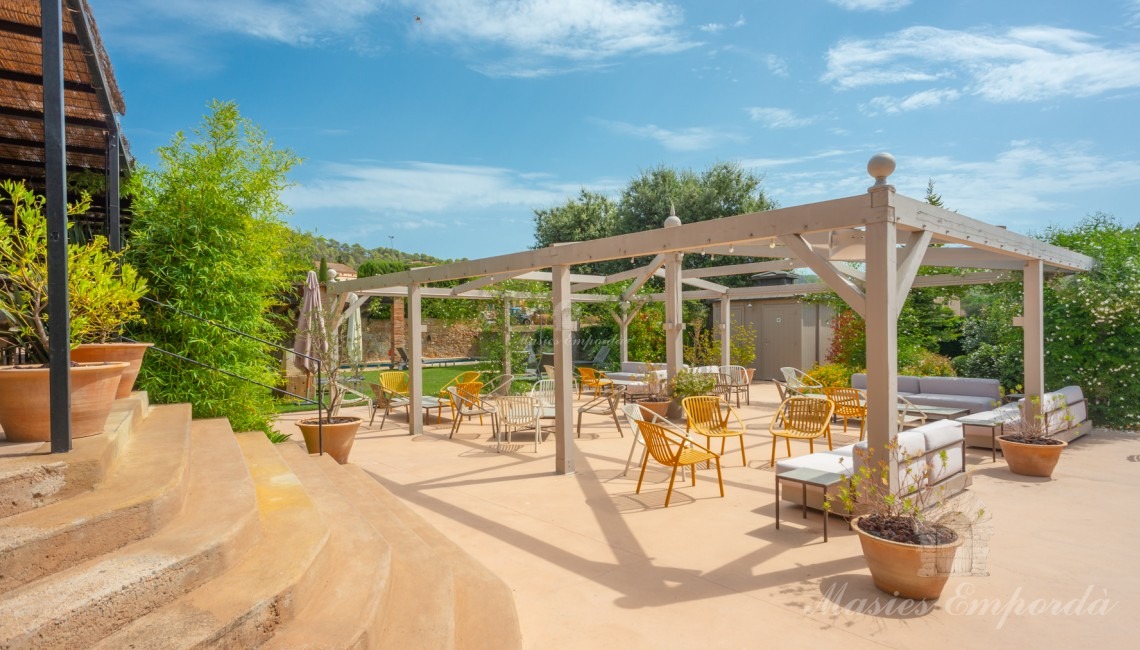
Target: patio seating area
591	563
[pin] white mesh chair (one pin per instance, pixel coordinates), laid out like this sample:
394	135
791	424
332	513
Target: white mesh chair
801	383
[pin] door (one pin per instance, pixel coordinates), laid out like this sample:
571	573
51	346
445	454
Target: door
779	336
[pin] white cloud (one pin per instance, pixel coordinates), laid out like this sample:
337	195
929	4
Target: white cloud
768	163
778	118
924	99
689	139
1023	64
421	188
716	27
776	65
871	5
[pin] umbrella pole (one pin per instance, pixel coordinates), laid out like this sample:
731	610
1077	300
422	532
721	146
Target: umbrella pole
320	415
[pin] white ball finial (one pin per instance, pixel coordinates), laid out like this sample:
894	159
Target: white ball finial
672	220
880	166
332	275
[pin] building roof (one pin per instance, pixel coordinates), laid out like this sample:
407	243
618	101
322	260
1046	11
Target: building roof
93	101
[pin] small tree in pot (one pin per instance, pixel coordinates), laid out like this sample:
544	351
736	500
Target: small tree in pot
100	295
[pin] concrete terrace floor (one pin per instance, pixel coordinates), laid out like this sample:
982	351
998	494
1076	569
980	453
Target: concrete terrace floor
594	565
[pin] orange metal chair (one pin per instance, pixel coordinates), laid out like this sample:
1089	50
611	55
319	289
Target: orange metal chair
849	404
595	378
461	378
709	416
672	450
804	418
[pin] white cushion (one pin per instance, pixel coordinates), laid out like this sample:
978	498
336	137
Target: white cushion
821	461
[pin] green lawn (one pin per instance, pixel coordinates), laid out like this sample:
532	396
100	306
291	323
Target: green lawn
434	380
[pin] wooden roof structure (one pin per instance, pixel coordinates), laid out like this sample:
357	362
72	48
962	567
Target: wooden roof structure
92	97
889	235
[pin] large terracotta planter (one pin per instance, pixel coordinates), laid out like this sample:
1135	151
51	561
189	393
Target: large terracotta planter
907	570
751	373
339	434
25	412
1031	460
132	353
660	407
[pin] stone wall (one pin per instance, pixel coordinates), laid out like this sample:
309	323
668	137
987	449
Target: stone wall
443	339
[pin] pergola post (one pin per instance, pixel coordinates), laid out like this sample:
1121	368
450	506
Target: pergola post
1033	329
623	328
882	340
563	369
415	339
674	344
55	191
506	337
725	331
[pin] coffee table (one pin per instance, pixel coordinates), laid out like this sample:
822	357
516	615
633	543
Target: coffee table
938	412
806	477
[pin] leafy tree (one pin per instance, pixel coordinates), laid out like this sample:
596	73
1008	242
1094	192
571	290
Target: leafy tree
208	237
587	216
1092	320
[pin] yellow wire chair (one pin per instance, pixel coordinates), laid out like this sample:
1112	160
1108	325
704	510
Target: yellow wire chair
709	416
804	418
475	390
396	383
673	450
461	378
594	378
849	404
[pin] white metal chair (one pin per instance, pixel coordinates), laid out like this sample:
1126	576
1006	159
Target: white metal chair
466	403
604	404
635	414
518	412
498	387
910	414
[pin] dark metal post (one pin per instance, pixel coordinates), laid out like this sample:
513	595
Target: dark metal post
55	160
114	234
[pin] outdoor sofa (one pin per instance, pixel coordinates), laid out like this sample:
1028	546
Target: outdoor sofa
976	394
1065	411
919	446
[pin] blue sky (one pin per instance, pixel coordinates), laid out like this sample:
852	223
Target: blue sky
440	125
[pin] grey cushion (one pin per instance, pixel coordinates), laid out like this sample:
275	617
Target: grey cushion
905	386
974	404
973	386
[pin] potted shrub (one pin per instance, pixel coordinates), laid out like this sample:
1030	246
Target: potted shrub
742	348
102	301
656	398
1028	444
24	389
688	383
332	433
908	548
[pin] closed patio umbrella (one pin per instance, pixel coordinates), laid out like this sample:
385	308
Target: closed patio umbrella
304	343
354	339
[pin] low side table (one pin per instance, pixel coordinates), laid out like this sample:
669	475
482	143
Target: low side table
806	477
996	427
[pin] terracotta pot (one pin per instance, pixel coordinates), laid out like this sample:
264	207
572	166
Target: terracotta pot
751	373
338	436
658	406
1031	460
907	570
132	353
25	412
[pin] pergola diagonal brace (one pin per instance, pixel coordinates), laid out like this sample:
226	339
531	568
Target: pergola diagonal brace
826	272
909	261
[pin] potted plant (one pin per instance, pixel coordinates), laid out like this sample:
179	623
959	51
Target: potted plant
656	397
688	383
330	433
908	547
102	301
24	389
742	348
1027	443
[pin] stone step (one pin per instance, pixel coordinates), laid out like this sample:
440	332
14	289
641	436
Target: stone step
482	608
420	608
348	610
143	493
76	607
32	477
243	607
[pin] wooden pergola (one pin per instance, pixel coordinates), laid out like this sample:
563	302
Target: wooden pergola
891	235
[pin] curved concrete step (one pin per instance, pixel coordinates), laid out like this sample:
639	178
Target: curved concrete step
32	477
243	607
80	605
482	607
348	610
143	493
